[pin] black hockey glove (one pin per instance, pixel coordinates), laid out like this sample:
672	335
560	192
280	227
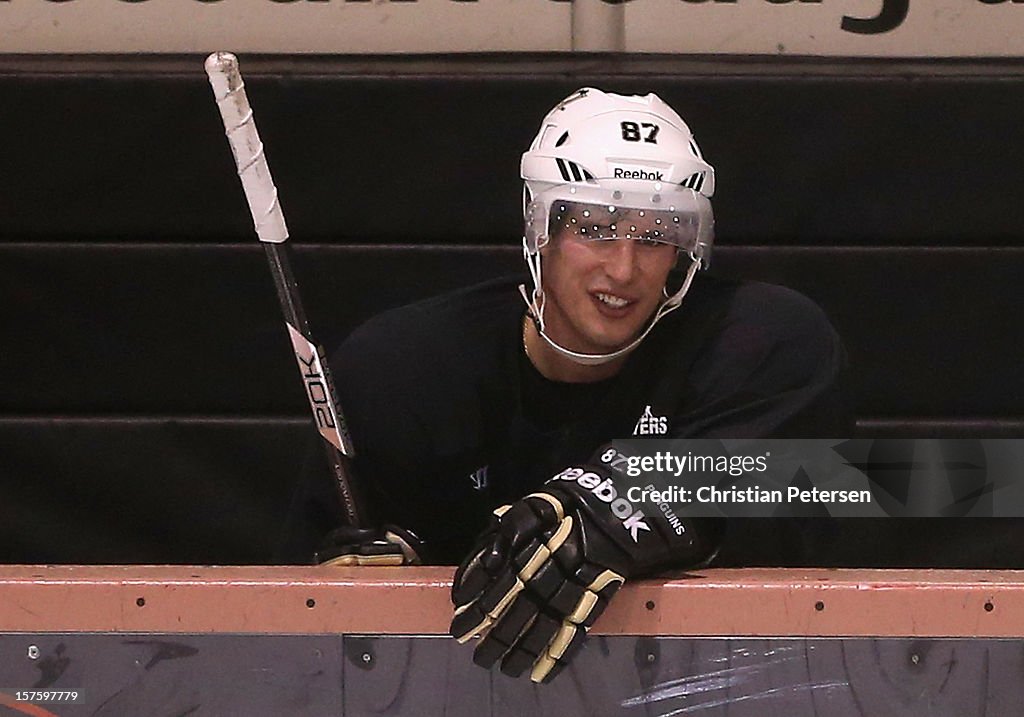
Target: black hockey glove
387	545
544	571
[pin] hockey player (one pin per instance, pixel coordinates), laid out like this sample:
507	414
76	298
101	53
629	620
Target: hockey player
481	416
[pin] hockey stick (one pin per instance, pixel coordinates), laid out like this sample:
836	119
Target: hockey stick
240	127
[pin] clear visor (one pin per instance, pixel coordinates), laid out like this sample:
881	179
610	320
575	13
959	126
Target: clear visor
602	211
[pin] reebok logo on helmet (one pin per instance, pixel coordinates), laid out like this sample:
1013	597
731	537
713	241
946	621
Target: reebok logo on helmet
604	490
620	173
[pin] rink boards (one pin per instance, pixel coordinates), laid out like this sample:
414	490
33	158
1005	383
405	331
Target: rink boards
278	641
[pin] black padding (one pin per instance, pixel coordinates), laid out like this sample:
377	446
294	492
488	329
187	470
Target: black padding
131	283
860	153
179	329
929	331
169	328
216	492
161	491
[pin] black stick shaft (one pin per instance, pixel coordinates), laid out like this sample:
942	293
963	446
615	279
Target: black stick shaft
318	384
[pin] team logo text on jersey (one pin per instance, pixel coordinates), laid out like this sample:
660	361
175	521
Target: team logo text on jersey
604	490
651	425
479	478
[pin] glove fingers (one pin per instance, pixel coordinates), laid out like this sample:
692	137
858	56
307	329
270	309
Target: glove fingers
533	643
569	555
545	582
469	620
569	640
541	576
495	595
537	552
408	543
488	608
349	545
566	598
516	528
524	521
472	577
578	579
359	559
505	632
589	609
598	587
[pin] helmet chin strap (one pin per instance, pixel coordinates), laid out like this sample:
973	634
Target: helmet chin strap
535	309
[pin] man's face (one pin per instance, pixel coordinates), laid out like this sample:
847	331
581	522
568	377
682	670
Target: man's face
599	294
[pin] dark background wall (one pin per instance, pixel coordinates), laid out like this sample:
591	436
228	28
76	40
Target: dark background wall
149	410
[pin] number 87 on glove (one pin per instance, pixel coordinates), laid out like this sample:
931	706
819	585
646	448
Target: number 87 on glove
547	566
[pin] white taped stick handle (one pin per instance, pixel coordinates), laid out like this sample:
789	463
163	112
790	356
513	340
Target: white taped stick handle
260	192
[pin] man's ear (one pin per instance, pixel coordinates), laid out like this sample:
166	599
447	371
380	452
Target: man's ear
547	246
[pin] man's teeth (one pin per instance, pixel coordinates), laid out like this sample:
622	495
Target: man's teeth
615	302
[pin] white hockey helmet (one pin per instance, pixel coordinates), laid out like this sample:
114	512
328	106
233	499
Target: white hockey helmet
615	153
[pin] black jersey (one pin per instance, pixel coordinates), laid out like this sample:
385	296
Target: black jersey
450	419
